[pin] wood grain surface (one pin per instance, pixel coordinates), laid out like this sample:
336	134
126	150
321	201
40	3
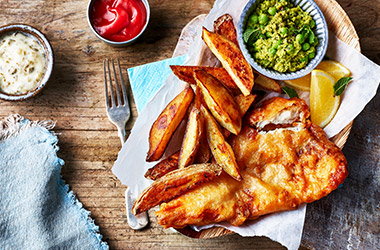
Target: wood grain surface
89	143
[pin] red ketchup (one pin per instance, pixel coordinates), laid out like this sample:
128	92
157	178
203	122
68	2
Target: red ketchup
118	20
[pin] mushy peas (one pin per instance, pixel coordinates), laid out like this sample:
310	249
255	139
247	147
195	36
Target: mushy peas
280	36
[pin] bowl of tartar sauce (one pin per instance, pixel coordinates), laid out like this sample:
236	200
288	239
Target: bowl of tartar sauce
26	62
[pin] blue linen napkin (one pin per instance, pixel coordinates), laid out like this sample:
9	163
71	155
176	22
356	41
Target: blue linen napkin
37	210
147	79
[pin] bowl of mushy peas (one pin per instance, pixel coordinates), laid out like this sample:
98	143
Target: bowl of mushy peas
283	39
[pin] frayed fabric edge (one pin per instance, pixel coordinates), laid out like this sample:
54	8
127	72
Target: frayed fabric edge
14	124
85	214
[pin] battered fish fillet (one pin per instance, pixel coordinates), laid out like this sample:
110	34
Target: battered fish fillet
284	161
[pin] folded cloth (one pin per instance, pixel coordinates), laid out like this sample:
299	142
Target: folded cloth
147	79
37	210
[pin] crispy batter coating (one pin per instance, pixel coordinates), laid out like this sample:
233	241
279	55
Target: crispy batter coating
281	168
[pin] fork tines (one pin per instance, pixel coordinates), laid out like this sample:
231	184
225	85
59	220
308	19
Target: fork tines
113	84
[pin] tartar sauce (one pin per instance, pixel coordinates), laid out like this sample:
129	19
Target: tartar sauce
22	63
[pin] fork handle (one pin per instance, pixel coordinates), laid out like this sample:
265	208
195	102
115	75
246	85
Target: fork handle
136	222
122	135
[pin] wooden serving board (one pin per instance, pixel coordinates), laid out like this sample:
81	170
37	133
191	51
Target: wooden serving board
339	23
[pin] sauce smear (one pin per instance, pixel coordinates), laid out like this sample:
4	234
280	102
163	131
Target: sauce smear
118	20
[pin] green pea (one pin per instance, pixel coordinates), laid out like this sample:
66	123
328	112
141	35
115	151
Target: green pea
290	47
311	38
268	34
305	46
278	43
300	38
292	30
305	59
312	49
263	19
314	40
272	51
312	24
284	30
254	19
305	35
311	55
272	11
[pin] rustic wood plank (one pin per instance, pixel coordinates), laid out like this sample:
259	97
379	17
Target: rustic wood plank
89	143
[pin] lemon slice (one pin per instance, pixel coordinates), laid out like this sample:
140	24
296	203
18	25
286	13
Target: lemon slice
323	103
302	83
334	68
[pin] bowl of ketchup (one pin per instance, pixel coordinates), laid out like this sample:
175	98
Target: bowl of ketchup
118	22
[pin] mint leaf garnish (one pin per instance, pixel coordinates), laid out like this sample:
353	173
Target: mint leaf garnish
290	92
341	85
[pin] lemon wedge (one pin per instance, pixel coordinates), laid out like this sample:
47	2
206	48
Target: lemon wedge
334	68
302	83
323	103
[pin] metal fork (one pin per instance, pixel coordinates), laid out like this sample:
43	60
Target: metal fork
118	112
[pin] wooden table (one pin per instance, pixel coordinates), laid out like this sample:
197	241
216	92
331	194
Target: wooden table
89	143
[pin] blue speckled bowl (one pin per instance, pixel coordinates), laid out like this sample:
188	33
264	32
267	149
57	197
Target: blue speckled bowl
321	31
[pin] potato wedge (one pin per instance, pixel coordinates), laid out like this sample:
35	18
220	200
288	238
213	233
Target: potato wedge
244	102
232	60
167	122
204	153
224	26
186	73
221	150
163	167
267	83
193	134
220	102
175	184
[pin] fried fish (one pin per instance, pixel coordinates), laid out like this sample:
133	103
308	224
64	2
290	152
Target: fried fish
284	161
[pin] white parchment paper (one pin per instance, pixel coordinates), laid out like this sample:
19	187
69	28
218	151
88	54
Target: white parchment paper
285	227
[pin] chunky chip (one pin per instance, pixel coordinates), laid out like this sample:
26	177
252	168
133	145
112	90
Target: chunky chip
204	153
221	150
224	26
267	83
232	60
175	184
193	134
166	123
186	73
220	102
244	102
163	167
